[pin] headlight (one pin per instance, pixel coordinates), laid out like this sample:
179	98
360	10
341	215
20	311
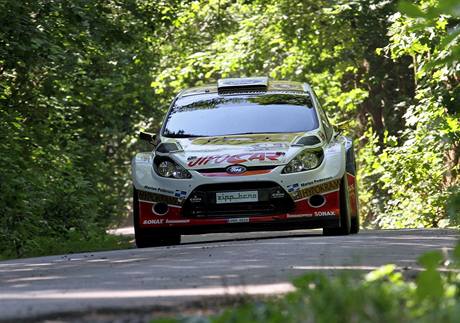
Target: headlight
304	161
168	168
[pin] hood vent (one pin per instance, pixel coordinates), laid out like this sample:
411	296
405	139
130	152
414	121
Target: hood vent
308	141
166	148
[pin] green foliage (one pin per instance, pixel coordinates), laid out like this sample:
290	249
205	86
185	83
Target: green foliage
418	168
72	94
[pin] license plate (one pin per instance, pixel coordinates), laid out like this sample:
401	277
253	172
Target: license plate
237	197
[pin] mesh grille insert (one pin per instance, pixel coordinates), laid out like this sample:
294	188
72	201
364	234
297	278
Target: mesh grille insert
267	202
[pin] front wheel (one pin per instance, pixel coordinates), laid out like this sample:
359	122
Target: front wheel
146	238
345	218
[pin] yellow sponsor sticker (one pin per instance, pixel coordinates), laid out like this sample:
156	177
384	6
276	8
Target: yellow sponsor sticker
247	139
153	197
318	189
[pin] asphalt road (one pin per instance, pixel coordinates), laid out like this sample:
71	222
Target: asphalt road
203	267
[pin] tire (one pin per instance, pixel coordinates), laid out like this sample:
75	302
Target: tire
146	238
355	224
355	221
345	217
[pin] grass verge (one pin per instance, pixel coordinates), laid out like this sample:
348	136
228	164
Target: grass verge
74	242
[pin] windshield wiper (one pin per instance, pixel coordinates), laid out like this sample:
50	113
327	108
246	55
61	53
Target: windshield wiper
182	136
252	133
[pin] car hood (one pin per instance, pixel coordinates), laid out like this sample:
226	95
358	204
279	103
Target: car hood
247	150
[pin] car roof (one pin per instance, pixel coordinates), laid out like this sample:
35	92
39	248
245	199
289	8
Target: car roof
272	87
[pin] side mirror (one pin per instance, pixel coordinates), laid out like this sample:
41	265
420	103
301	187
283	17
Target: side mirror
338	131
147	136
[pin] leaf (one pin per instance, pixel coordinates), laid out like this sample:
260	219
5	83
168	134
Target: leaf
449	7
429	284
430	260
410	9
454	33
380	273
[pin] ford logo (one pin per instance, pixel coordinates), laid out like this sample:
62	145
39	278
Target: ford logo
236	169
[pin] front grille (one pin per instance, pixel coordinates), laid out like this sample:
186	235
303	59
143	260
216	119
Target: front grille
272	199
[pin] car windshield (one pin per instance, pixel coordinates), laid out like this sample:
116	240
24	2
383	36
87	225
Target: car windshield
219	116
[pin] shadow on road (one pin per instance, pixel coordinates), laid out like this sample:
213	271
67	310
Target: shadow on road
204	266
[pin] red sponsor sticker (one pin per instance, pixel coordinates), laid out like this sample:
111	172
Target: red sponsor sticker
235	159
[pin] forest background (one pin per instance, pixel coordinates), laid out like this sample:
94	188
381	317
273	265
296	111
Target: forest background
79	79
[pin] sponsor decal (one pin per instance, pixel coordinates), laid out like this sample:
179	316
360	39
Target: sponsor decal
324	213
236	197
269	146
238	220
180	194
246	140
293	188
316	181
321	188
279	194
160	190
292	216
153	221
154	197
235	159
196	199
177	221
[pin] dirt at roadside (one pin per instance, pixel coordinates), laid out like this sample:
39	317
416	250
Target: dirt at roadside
194	310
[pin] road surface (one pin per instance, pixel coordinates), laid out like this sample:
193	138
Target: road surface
204	267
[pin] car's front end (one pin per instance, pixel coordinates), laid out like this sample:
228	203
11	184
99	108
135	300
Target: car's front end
242	159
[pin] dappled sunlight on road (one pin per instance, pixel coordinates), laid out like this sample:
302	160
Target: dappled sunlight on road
219	265
149	293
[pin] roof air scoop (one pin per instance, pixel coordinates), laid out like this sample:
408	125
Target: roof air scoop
242	85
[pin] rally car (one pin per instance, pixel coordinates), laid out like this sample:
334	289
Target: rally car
244	154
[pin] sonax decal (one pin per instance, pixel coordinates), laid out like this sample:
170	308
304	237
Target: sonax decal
324	213
156	221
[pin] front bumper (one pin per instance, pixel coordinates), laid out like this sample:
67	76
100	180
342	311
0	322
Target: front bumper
269	225
301	213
